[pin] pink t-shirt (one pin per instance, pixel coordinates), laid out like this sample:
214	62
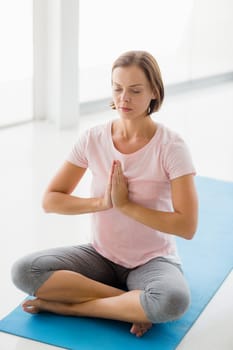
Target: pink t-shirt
148	171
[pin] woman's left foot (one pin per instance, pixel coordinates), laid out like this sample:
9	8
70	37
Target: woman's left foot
139	329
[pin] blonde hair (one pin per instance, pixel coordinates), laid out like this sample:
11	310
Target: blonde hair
145	61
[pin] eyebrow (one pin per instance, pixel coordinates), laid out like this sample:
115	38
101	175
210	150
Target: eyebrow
133	85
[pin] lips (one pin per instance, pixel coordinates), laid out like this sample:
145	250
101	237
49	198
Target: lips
125	109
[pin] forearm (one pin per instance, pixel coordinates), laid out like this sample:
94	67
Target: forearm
62	203
175	223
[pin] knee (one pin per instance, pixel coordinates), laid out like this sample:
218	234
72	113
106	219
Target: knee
177	303
166	307
18	272
21	275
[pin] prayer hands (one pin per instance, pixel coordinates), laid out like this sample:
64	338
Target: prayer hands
116	193
119	188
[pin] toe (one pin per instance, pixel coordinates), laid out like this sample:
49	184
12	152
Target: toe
133	329
31	306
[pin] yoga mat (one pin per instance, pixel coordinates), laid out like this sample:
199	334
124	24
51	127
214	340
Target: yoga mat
207	260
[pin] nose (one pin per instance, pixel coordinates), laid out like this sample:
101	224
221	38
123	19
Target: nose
125	96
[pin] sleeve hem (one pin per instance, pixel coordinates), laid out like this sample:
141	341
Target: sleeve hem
175	176
81	165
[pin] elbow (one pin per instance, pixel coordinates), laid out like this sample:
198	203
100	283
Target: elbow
188	225
46	204
189	235
190	231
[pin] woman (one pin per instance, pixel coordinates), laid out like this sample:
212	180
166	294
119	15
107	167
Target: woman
143	195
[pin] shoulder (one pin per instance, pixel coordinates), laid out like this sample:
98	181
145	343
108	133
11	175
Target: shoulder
97	131
176	157
91	134
168	136
87	143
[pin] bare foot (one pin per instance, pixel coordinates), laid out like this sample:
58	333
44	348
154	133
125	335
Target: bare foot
34	306
37	305
31	306
139	329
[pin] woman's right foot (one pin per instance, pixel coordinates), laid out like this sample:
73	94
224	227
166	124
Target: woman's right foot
34	306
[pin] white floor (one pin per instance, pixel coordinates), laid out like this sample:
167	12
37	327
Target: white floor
31	153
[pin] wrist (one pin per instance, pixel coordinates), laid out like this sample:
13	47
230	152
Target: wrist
124	207
102	204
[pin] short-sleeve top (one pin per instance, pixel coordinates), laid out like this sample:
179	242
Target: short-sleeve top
149	172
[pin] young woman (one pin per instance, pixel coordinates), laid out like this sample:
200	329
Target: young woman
143	195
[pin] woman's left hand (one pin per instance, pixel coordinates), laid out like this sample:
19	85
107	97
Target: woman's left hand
119	192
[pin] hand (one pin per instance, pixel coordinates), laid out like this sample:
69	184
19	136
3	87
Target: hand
106	201
119	190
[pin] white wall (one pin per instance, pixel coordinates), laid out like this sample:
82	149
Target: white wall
190	38
16	68
15	101
40	58
212	38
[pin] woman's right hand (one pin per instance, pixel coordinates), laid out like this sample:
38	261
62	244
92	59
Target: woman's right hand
106	201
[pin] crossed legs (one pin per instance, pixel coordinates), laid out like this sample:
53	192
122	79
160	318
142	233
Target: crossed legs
78	281
62	294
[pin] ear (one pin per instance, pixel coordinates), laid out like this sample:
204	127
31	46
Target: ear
153	95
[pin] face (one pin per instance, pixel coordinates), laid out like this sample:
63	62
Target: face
131	92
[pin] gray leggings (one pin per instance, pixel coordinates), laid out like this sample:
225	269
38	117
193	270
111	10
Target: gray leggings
165	295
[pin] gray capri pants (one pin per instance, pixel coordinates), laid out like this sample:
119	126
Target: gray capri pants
165	295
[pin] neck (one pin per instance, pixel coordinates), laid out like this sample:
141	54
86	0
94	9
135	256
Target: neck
130	129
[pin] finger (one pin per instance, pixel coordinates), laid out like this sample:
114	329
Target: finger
119	171
119	167
111	174
115	177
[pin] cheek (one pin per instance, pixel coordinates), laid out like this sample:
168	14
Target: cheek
115	97
143	102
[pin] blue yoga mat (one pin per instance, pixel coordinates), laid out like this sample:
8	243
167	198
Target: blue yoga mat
207	259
